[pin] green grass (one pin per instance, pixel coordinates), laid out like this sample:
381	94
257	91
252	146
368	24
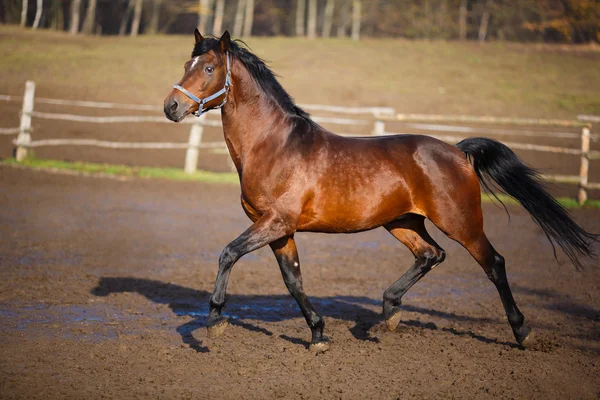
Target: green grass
566	202
127	171
199	176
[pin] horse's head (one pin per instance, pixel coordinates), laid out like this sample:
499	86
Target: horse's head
206	80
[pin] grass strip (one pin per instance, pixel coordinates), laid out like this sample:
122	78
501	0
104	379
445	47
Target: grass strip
177	174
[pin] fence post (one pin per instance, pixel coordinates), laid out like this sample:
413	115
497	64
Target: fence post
191	155
379	128
585	165
24	138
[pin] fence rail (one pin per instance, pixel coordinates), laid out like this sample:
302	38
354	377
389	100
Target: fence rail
9	131
144	118
120	145
379	117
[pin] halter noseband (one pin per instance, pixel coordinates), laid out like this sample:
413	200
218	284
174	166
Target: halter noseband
202	102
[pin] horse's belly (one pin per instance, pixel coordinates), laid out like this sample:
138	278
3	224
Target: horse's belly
353	215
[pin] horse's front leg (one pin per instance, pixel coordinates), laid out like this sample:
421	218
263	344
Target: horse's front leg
287	257
267	229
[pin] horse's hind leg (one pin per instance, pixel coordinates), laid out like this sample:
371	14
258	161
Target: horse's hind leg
493	265
410	230
287	257
467	229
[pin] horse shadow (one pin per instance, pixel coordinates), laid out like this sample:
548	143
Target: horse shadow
241	309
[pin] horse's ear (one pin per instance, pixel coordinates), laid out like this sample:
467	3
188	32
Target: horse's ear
225	42
198	36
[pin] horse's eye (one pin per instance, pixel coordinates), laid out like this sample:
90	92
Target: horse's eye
209	70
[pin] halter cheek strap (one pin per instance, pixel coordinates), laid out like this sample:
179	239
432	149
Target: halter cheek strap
202	102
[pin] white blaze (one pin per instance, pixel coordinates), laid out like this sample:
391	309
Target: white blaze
196	59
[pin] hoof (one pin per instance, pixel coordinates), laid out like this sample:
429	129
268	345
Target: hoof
524	336
320	347
528	340
393	321
215	330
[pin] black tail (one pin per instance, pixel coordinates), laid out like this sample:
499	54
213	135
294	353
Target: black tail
495	162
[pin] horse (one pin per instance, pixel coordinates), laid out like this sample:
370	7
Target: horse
296	176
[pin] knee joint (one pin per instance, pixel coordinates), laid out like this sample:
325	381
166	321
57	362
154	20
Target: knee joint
228	256
431	258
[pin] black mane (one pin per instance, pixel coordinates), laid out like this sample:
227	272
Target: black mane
259	71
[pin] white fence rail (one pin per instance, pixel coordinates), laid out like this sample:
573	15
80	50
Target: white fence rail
381	116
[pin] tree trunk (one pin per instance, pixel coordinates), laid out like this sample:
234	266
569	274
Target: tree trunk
75	15
312	19
90	18
249	20
155	16
239	18
300	17
38	14
24	7
219	12
356	15
328	18
485	19
56	18
126	18
342	29
462	23
428	19
203	14
442	15
137	17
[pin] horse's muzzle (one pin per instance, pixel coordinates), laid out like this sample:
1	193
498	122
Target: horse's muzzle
175	110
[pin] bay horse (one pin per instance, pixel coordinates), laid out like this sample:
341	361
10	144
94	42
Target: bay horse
296	176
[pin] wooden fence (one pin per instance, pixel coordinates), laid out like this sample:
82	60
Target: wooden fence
378	118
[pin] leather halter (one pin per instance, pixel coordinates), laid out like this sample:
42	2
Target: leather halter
202	102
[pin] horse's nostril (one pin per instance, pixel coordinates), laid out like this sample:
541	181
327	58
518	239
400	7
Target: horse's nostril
174	105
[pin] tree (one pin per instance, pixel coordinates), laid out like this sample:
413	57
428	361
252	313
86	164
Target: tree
483	27
462	23
126	17
300	17
219	12
155	16
328	18
249	20
356	17
89	22
312	19
342	29
239	18
204	11
57	21
38	14
137	17
24	7
75	15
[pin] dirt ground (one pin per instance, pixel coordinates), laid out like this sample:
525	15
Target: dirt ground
104	288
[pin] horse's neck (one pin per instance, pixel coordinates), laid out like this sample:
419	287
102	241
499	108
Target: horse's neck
250	119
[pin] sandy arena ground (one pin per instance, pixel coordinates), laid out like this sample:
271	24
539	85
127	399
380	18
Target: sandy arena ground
104	288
